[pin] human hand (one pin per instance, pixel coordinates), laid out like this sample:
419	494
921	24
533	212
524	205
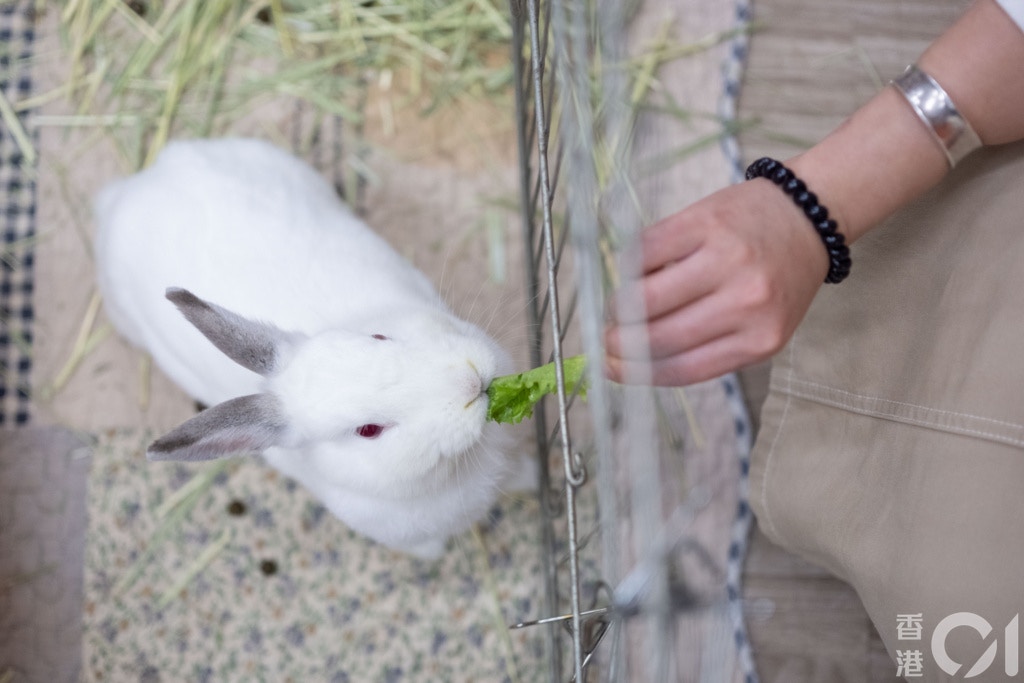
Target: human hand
727	280
725	283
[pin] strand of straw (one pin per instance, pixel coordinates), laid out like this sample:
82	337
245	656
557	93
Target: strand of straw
163	129
86	340
198	565
172	517
13	123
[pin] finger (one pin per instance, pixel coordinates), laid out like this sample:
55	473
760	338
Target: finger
671	239
682	284
663	339
723	355
678	332
675	286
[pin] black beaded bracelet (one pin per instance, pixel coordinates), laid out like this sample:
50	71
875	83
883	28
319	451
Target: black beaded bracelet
838	253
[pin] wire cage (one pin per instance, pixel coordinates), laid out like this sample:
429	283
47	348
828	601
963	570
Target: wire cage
633	590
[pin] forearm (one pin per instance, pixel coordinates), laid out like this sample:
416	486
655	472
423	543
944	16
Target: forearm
980	62
883	156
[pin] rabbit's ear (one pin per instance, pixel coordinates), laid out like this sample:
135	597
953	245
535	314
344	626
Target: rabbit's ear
243	424
252	344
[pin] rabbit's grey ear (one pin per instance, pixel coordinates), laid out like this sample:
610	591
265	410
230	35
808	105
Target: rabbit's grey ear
252	344
243	424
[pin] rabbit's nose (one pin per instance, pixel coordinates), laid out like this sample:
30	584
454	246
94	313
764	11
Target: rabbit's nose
474	385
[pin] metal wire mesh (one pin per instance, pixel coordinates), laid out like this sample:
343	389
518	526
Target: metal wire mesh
651	600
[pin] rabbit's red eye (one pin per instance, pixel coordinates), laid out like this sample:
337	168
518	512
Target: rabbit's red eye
381	337
370	431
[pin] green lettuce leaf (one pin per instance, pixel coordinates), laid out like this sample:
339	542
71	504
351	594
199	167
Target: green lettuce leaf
512	397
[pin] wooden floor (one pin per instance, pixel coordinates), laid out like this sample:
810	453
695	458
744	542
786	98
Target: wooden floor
812	62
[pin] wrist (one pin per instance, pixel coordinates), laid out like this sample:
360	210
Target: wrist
878	160
816	213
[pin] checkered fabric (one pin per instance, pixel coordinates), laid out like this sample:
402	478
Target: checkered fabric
17	218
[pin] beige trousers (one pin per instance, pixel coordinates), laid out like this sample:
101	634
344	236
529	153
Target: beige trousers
892	442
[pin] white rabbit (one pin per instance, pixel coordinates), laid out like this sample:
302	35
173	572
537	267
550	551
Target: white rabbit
314	341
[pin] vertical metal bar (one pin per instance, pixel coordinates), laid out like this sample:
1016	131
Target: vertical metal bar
524	132
571	472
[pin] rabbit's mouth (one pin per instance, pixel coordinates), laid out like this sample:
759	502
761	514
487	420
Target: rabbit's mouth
481	393
477	387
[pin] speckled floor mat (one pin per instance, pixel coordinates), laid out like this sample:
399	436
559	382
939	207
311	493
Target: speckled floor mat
229	572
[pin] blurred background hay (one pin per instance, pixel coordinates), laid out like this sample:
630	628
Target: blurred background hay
145	68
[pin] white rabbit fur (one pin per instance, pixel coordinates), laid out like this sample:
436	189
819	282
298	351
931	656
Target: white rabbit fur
300	293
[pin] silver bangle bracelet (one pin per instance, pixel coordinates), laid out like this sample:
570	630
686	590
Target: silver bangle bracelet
938	113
